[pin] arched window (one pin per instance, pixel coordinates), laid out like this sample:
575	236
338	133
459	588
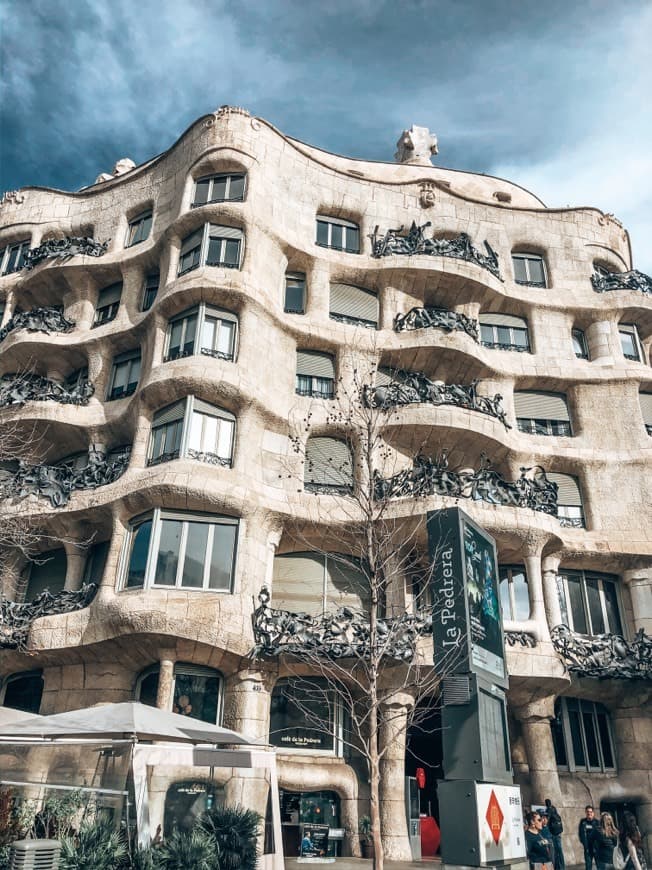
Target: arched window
315	582
328	466
227	187
514	594
504	332
539	413
306	716
23	691
338	234
580	345
355	305
315	374
569	501
197	691
12	257
529	269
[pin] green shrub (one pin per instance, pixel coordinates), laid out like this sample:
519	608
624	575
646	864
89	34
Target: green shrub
184	850
97	846
145	859
235	830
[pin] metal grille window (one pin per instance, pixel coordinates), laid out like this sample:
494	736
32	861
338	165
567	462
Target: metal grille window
206	330
579	344
295	293
504	332
211	245
542	413
197	691
125	375
630	342
12	257
150	290
646	410
139	228
514	593
23	691
315	375
355	305
188	551
219	188
529	269
589	602
338	234
108	303
582	735
195	429
569	501
316	582
328	466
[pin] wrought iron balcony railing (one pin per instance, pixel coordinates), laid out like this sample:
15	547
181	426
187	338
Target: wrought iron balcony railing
604	655
16	619
431	317
502	345
603	281
17	389
46	319
64	249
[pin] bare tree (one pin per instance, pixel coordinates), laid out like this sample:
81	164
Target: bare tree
375	658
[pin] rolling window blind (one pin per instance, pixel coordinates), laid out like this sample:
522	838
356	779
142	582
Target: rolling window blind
202	407
170	414
319	365
328	462
540	406
353	301
298	583
569	491
109	295
346	585
130	354
219	232
192	241
646	407
503	320
223	315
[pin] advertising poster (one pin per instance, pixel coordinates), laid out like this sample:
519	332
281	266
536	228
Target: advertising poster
318	837
500	822
483	604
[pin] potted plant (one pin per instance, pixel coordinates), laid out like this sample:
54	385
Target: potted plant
366	842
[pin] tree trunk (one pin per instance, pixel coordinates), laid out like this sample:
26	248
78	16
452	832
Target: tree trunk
374	786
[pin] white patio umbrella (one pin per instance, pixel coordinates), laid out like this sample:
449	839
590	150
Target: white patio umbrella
9	716
126	721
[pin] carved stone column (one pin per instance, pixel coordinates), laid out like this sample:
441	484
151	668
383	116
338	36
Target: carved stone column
535	719
550	567
393	735
639	582
75	564
165	693
532	559
601	340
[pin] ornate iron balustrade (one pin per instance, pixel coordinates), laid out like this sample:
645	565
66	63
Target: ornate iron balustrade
16	389
210	458
524	638
572	522
343	634
604	655
416	388
16	619
64	249
433	477
328	488
603	281
436	318
216	354
57	482
46	320
502	345
163	457
415	242
353	321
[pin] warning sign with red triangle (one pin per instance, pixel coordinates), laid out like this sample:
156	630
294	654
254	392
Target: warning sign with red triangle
494	817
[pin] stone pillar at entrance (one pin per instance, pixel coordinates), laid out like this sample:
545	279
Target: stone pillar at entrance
535	719
393	820
165	693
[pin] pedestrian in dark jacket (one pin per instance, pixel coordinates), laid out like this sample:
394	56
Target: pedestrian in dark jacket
539	847
556	827
603	841
585	833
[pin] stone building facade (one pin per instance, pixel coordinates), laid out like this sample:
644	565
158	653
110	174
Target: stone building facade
207	301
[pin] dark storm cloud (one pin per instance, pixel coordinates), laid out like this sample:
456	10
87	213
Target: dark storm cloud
551	94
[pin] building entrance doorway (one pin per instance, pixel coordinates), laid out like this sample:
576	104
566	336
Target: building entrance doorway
424	749
309	808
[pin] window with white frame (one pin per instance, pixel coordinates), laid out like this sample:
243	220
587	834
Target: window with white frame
23	691
180	550
195	429
306	716
582	735
630	342
317	582
124	375
504	332
580	346
12	257
139	228
197	691
570	511
150	289
645	400
202	330
529	269
229	187
589	602
514	594
108	303
211	245
355	305
295	293
315	374
328	466
338	234
539	413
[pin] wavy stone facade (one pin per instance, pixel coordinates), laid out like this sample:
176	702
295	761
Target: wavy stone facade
596	557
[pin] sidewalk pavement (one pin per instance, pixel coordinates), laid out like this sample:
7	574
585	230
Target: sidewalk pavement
365	864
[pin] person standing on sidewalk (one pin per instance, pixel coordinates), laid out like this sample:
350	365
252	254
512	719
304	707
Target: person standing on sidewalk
605	839
587	827
556	828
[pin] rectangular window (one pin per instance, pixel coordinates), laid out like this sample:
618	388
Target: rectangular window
590	602
194	429
582	737
139	228
629	342
150	290
181	335
529	269
504	336
212	245
108	303
125	375
167	430
211	436
315	375
579	344
338	234
12	258
295	293
514	594
205	330
219	188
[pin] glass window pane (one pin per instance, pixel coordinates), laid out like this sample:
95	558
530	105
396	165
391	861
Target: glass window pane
337	236
298	716
576	738
577	604
168	553
505	602
605	743
504	335
209	439
294	297
219	189
214	251
157	441
536	271
201	191
196	426
134	374
138	556
232	254
196	696
120	373
236	189
558	740
189	337
520	337
352	239
222	557
628	345
322	233
193	565
176	330
225	439
149	689
590	734
595	606
209	328
521	597
487	334
225	337
611	604
520	270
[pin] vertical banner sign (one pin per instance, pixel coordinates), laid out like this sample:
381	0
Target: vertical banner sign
449	620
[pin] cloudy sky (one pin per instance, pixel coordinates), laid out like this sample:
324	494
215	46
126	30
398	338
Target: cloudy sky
552	94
